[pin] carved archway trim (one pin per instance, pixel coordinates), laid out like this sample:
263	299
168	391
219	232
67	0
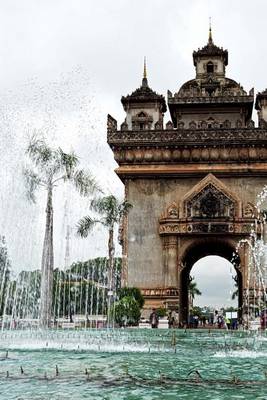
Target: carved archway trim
223	247
193	251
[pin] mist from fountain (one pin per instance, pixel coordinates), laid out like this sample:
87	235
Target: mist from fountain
66	112
255	294
80	297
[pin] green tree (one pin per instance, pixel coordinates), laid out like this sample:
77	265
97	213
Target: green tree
127	311
161	312
110	213
132	292
193	290
50	167
197	311
83	287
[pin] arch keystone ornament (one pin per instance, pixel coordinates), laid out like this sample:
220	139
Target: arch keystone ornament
193	185
210	198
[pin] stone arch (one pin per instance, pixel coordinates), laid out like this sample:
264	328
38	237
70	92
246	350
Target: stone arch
228	202
195	251
142	114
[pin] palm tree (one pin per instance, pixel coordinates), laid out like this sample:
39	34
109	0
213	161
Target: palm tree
50	167
111	211
193	290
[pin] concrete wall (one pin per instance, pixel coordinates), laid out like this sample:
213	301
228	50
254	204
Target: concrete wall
153	110
201	67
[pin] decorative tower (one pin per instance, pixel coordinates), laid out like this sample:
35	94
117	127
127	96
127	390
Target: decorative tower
144	108
211	99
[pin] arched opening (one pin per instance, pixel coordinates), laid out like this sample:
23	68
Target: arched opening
210	67
199	254
216	279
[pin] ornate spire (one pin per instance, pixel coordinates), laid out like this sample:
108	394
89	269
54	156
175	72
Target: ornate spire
143	94
144	81
144	76
210	50
210	41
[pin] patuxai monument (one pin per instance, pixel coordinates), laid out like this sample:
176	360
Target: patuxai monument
133	259
193	181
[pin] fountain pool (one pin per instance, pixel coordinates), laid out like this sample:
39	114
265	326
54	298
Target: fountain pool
132	364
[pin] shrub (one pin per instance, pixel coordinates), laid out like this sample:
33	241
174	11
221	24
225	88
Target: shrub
161	312
132	292
127	311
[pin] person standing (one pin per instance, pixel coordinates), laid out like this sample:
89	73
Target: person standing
154	319
170	320
227	322
220	322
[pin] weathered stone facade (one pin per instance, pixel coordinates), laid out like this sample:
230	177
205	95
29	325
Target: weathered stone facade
193	184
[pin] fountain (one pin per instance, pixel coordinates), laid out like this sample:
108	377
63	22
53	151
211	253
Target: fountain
58	338
137	363
78	356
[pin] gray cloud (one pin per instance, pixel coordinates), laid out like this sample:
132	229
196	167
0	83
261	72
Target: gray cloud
214	279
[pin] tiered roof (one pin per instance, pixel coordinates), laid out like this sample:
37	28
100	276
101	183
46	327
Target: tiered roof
144	94
210	50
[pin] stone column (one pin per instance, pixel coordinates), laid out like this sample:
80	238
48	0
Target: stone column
171	267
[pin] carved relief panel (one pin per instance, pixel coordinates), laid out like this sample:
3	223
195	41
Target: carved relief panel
210	199
208	208
210	203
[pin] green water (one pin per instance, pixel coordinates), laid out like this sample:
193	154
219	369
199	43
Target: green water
133	364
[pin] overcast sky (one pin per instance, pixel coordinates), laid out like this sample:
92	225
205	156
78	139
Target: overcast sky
65	64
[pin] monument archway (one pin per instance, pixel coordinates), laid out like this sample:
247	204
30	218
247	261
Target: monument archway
193	182
198	250
208	220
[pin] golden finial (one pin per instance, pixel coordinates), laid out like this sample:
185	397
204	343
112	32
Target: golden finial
144	75
144	81
210	32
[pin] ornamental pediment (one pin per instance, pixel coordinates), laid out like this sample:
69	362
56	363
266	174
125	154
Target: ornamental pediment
209	207
210	199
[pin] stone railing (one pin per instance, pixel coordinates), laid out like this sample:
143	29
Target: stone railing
223	136
209	99
247	145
